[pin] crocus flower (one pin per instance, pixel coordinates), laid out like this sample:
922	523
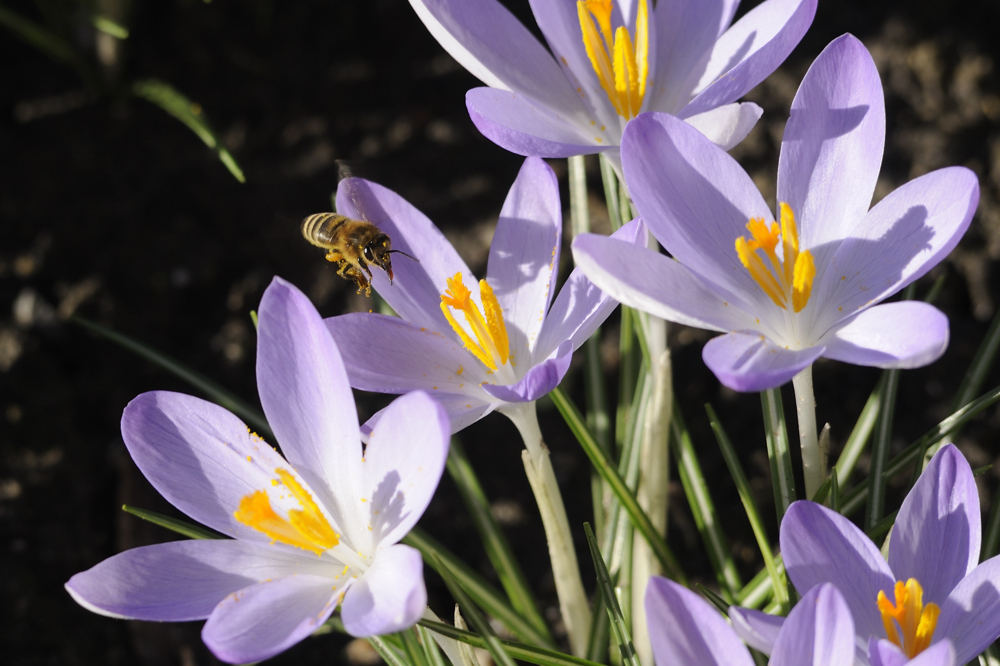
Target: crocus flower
313	529
510	343
785	295
933	586
606	63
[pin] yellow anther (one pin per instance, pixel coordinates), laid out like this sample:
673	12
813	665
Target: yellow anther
490	345
621	62
787	278
909	623
304	528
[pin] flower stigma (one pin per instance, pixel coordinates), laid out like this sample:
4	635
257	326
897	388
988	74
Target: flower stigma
304	528
909	617
621	66
491	345
791	279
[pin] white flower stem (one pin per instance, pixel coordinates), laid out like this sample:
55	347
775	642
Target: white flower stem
805	407
565	570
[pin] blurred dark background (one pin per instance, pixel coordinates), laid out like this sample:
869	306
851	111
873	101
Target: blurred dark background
115	211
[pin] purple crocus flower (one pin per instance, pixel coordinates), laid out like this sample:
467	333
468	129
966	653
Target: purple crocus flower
507	345
606	63
932	588
311	530
785	295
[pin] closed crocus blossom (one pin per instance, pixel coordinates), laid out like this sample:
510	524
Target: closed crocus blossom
608	61
808	282
933	588
313	529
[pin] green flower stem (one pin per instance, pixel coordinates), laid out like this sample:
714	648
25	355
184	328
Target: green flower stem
565	570
813	465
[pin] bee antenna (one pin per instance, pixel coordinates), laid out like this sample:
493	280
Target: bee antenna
404	254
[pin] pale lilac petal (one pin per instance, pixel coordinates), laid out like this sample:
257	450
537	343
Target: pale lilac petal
684	629
882	652
264	619
415	293
757	629
389	355
389	597
538	381
727	125
821	546
524	254
463	410
749	51
200	457
696	200
940	654
749	361
936	536
819	631
686	32
526	127
832	148
404	459
970	616
648	281
180	580
902	237
486	39
904	334
307	397
581	306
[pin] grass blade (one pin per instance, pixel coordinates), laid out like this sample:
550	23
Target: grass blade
166	97
414	651
619	630
597	647
49	43
720	604
182	527
431	650
991	537
875	505
778	451
980	366
386	651
528	653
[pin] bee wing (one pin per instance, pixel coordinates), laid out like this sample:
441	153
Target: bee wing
350	185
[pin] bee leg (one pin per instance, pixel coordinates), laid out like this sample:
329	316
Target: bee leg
333	255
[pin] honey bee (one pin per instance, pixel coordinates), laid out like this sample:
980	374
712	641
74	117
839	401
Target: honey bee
353	244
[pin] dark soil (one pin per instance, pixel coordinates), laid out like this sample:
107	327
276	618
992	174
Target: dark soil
115	211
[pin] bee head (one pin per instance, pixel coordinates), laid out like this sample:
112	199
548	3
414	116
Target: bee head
377	253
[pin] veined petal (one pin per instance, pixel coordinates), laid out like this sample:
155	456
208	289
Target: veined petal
525	127
821	546
818	632
403	463
727	125
415	294
970	616
749	361
463	409
882	652
389	597
181	580
759	630
684	629
264	619
832	148
749	51
936	536
524	254
903	334
538	381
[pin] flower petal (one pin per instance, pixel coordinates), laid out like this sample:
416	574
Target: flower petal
307	398
581	306
749	361
403	463
538	381
697	201
684	629
940	654
832	148
389	597
902	237
970	616
757	629
727	125
904	334
179	580
524	254
936	536
749	51
463	410
486	39
648	281
415	293
264	619
526	127
820	546
882	652
819	631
